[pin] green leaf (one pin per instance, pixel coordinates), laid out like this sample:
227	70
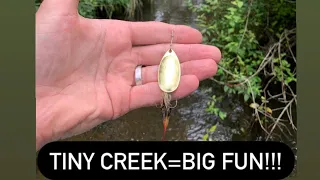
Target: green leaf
268	110
231	30
240	4
222	115
254	105
205	137
225	88
213	128
227	16
246	97
215	110
231	9
274	23
232	23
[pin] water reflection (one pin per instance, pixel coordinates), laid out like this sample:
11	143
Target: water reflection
173	12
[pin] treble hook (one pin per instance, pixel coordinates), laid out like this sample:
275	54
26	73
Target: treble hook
174	105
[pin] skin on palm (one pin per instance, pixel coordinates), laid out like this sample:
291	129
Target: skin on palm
85	67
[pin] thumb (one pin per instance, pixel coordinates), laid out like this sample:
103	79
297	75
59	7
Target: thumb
60	7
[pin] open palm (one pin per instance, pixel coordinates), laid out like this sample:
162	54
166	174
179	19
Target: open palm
85	67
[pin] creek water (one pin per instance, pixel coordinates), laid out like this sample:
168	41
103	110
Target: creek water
189	120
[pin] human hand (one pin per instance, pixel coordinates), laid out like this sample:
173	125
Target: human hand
85	67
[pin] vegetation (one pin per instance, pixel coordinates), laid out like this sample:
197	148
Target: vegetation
107	9
257	39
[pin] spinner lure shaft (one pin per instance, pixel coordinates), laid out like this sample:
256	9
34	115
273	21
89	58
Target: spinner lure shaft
168	79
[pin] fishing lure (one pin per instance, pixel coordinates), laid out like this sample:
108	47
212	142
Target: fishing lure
169	73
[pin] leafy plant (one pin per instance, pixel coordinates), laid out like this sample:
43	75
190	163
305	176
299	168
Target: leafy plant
215	110
89	8
209	131
224	24
255	46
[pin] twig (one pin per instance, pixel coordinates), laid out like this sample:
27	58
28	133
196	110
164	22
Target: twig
277	121
268	58
295	96
246	26
265	61
255	109
277	109
267	115
228	72
267	85
273	96
292	55
219	82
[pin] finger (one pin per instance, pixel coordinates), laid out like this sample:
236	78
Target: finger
202	69
152	55
144	33
150	94
60	7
